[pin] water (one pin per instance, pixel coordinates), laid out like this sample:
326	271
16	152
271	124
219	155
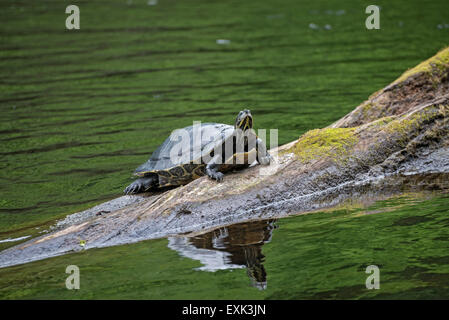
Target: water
315	256
82	109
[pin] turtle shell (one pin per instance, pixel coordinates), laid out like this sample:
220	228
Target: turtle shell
190	151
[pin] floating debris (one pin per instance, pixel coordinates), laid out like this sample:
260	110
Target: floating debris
328	27
337	12
152	2
313	26
223	41
14	239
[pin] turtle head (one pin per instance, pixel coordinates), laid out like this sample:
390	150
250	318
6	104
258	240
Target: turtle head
244	120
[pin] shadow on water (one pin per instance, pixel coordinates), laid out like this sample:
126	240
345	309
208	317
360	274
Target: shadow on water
232	247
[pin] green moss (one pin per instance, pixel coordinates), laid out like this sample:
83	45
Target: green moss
402	129
382	121
401	126
379	124
434	66
336	143
415	120
328	142
366	107
370	110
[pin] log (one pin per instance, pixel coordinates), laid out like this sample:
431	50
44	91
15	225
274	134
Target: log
395	141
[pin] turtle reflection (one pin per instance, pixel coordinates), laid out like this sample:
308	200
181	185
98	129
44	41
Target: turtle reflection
231	247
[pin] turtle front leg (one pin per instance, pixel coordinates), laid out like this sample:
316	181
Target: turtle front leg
212	170
141	185
263	157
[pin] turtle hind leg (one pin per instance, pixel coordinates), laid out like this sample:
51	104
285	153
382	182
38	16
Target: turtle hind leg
141	185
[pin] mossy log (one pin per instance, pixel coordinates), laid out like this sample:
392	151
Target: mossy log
395	141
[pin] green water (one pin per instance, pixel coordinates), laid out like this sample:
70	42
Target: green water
315	256
81	109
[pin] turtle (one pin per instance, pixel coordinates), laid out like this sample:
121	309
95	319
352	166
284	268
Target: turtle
204	149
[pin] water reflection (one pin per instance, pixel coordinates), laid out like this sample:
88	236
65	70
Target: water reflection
231	247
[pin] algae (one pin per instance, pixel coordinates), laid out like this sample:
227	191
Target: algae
435	67
322	143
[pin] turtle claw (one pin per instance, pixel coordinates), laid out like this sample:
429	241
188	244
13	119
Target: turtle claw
140	185
132	188
218	176
266	160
